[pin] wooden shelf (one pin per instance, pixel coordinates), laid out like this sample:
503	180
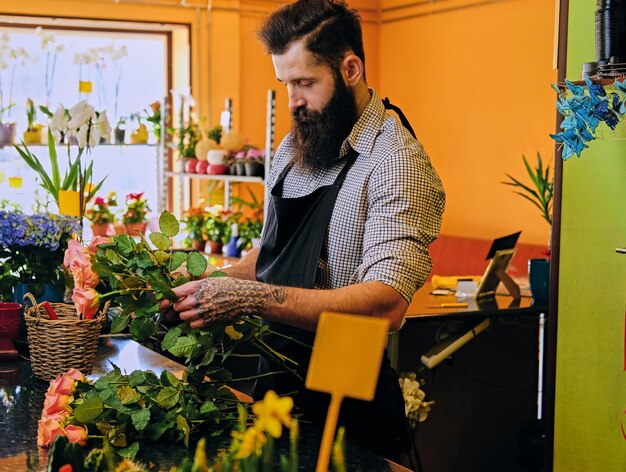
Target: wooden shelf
222	177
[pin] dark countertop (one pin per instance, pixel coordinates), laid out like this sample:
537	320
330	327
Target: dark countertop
22	396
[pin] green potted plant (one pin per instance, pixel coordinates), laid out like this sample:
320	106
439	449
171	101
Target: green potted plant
540	194
153	116
218	227
32	135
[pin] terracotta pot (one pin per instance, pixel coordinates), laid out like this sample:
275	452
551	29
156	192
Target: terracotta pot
198	244
120	228
190	165
215	247
133	228
103	229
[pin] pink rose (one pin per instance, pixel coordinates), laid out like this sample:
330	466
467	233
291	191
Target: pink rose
86	302
76	434
47	430
95	242
75	253
55	403
75	374
84	276
62	385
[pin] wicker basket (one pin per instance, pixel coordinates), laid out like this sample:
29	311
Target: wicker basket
59	345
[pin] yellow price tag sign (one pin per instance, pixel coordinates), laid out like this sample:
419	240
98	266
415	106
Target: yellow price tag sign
345	361
15	182
85	86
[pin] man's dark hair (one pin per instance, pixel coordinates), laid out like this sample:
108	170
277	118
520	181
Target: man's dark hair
329	29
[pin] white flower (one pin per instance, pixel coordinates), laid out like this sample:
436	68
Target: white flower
415	408
117	54
58	124
80	114
47	38
103	125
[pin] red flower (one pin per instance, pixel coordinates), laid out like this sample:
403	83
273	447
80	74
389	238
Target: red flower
134	196
100	201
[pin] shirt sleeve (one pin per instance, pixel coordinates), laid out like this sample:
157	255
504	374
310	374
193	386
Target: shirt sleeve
405	205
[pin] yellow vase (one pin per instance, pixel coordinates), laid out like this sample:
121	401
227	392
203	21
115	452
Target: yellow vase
33	136
140	135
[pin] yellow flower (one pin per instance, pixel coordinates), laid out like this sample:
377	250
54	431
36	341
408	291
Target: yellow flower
232	332
250	442
273	412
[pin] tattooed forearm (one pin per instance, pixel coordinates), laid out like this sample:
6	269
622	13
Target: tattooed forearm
227	298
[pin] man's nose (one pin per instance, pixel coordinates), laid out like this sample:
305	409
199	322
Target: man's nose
295	100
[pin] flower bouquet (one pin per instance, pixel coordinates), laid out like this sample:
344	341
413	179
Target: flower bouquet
31	249
135	217
415	407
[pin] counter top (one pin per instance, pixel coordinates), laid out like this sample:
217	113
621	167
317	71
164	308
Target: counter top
22	396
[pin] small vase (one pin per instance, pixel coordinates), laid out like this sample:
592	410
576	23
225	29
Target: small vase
120	135
198	244
201	167
103	229
215	247
32	136
133	228
240	168
140	135
7	134
254	169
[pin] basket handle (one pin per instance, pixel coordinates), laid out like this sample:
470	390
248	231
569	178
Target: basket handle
28	297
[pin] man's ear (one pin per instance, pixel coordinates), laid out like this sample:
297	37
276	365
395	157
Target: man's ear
352	69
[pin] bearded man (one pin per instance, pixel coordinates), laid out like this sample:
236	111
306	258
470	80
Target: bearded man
354	205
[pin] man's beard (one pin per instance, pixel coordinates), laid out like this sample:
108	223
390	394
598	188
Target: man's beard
318	135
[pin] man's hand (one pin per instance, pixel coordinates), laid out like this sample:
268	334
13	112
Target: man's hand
221	298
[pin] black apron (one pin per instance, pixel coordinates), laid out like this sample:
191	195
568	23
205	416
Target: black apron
293	236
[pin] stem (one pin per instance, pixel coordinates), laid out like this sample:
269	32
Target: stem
126	290
276	333
252	377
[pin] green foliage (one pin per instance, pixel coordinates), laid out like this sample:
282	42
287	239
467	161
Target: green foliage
541	192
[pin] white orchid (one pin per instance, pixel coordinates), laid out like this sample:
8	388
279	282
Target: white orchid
415	408
103	125
80	114
117	54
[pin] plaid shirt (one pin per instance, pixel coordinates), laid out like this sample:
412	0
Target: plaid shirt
387	212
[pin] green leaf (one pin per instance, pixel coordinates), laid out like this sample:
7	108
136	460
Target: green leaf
125	245
140	418
169	379
168	224
180	280
119	323
88	411
184	427
184	346
112	256
130	282
161	241
136	378
217	273
208	407
170	338
156	430
129	452
161	256
196	263
128	395
177	259
167	397
141	328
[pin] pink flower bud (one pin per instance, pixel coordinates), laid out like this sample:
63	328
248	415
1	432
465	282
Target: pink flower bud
76	434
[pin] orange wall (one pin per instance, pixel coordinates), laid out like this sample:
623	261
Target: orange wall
475	84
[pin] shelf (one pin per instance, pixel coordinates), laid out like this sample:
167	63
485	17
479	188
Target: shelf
223	177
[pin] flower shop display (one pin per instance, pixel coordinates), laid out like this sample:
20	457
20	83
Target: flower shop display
32	135
188	134
135	217
31	253
585	108
74	190
255	163
101	216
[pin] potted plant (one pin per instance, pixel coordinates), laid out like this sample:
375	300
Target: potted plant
540	194
135	218
101	217
255	163
32	135
194	220
139	135
218	227
119	132
153	116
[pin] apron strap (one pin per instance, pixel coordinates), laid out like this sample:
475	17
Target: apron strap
389	106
